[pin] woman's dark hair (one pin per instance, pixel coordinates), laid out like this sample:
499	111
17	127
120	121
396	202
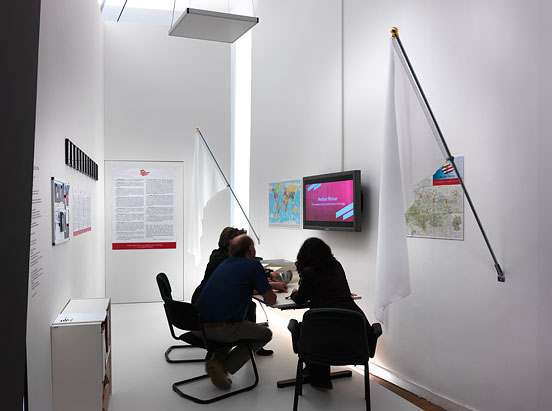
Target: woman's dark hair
227	235
316	254
240	246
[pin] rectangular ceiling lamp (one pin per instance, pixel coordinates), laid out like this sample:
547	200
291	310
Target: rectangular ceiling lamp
212	25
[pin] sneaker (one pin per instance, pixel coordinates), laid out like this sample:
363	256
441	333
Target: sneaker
264	353
217	374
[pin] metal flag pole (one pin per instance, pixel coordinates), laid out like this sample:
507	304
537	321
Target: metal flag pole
228	185
449	157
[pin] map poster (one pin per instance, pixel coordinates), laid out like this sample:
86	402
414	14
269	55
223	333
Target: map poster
284	204
438	208
143	208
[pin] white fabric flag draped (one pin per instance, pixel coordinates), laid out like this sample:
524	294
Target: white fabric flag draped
412	151
207	181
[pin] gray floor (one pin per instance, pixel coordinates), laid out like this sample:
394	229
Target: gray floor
142	380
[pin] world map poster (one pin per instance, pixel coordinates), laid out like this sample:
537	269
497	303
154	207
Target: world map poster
284	204
438	208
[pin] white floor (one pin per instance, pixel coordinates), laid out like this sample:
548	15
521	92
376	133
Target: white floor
142	379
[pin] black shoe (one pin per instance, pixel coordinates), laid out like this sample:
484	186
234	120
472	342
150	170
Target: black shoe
322	387
264	353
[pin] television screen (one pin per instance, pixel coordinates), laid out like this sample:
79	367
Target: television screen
332	201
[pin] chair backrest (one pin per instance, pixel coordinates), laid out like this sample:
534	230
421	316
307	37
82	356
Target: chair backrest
333	336
164	285
182	315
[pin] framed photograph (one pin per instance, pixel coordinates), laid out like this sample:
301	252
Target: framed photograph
60	211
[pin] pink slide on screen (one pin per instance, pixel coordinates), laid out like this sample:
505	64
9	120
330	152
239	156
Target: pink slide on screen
329	201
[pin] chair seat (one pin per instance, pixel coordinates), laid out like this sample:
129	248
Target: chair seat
333	336
191	339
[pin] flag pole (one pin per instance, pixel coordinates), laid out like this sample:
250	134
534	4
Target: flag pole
228	185
449	156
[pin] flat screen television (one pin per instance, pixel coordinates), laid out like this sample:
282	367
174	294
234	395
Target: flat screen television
332	201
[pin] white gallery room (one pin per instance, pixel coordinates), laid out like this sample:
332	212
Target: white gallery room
409	136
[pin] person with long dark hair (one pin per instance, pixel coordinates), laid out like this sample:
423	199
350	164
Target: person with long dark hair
322	283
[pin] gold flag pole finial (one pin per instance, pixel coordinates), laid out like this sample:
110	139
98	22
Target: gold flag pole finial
197	128
394	32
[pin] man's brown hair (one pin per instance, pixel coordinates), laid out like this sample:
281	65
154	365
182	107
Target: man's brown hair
240	246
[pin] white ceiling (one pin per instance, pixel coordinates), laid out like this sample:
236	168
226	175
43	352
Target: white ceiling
161	11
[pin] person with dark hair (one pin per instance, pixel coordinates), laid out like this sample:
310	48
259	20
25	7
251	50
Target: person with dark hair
322	283
217	257
223	304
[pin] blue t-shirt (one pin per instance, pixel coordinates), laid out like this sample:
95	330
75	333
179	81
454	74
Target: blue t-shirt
228	292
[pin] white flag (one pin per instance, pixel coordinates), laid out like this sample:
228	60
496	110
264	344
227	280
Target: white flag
207	181
412	151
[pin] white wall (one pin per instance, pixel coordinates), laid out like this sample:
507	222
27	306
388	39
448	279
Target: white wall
461	334
69	105
158	89
296	93
544	280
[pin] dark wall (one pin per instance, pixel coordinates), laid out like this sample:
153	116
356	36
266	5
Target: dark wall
19	33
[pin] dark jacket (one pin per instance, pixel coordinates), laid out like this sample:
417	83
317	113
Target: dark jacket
216	257
326	288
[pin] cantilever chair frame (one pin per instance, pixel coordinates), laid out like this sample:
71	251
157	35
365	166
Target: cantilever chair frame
166	292
309	346
185	316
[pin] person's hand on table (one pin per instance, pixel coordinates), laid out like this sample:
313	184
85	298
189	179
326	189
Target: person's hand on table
282	287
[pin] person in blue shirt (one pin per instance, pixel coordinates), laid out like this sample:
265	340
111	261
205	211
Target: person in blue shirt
217	257
223	304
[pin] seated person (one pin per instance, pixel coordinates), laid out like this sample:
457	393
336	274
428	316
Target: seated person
217	257
223	304
323	284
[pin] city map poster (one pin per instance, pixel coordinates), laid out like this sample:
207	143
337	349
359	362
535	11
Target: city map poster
284	204
438	208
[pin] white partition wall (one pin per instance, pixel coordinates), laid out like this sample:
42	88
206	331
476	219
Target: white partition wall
69	105
158	89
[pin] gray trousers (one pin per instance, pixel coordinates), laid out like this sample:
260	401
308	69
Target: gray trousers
258	334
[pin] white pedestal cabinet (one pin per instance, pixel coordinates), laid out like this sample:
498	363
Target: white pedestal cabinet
81	356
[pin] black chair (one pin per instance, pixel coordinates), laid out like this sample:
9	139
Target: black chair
166	292
185	316
333	336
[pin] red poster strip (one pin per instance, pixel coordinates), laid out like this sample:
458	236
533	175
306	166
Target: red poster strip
84	230
142	246
446	182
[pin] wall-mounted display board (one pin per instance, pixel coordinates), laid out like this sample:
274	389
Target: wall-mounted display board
60	211
144	228
284	204
143	208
